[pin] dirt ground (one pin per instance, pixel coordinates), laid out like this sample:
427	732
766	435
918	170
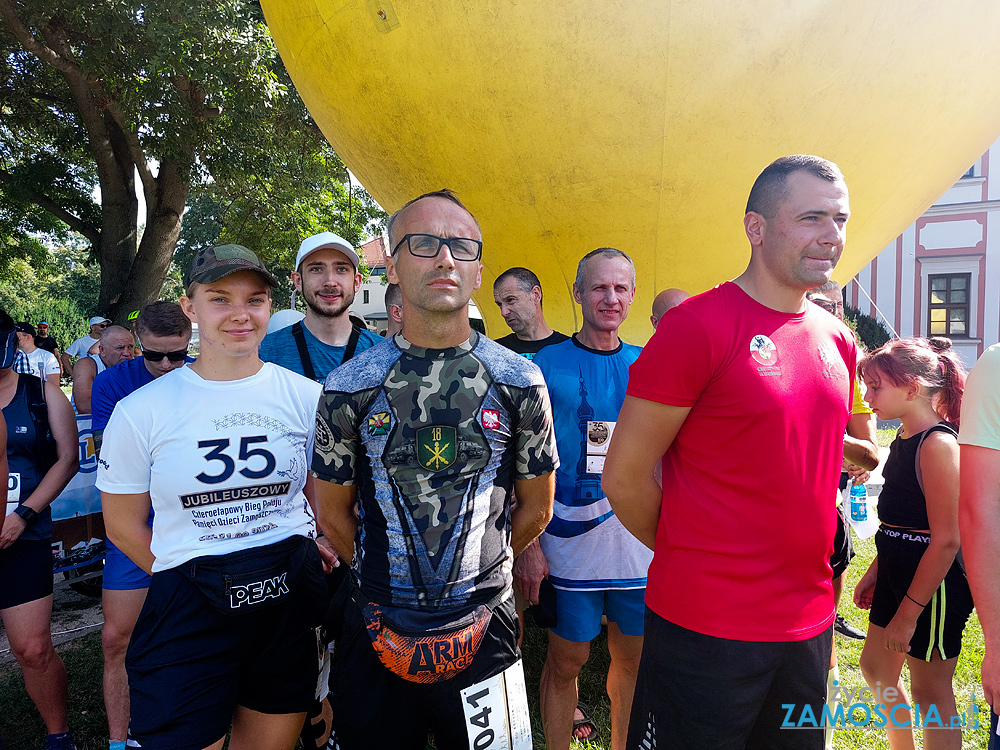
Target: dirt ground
73	615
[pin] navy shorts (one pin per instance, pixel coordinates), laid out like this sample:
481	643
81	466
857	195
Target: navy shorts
120	573
190	665
695	691
940	625
25	572
374	708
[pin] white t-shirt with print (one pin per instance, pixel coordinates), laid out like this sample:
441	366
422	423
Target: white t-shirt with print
224	461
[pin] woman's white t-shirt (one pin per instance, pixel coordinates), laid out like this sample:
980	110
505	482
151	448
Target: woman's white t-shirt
224	461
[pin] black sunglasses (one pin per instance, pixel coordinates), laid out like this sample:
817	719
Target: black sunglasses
152	356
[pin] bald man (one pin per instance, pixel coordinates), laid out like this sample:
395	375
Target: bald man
664	301
115	345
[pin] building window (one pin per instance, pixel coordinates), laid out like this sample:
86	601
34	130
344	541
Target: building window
366	296
949	305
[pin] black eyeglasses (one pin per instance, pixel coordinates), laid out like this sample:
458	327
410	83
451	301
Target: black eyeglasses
428	246
152	356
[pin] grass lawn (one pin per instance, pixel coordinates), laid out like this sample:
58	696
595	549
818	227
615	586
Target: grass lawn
21	727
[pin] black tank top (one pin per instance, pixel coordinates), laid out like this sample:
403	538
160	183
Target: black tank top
27	462
901	502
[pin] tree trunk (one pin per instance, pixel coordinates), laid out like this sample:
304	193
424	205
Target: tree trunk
145	277
119	215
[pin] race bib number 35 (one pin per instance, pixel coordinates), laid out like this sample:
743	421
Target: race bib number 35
496	712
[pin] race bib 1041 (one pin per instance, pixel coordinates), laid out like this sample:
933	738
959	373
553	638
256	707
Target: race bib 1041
496	712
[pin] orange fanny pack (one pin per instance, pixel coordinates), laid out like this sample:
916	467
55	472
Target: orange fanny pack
429	656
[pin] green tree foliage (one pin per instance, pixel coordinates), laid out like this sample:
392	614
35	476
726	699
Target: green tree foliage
869	330
62	290
177	94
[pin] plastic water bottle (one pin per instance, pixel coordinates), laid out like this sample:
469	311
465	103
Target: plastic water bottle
861	513
859	503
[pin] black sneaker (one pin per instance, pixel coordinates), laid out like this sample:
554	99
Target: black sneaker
845	630
62	741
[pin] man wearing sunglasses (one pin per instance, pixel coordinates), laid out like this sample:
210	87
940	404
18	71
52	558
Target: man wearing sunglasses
81	346
164	333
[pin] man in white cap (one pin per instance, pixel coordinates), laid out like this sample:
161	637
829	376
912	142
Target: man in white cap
326	274
81	346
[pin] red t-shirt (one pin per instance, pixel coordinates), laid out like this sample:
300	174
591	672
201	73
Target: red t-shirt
747	522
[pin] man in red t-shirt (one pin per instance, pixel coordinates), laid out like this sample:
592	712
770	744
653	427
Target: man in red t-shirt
745	394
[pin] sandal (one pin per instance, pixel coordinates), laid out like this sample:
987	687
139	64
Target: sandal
586	721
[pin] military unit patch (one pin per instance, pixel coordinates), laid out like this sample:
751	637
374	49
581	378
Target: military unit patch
378	424
437	447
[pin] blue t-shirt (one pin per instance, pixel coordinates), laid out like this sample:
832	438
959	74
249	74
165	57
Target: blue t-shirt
586	546
114	384
280	348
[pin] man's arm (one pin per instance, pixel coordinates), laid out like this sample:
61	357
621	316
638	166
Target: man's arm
644	432
533	511
337	519
126	522
860	443
979	522
83	381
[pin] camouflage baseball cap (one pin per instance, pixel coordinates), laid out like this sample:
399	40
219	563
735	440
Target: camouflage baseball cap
212	263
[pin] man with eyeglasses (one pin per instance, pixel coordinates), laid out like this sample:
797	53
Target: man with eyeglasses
430	431
164	333
326	274
81	346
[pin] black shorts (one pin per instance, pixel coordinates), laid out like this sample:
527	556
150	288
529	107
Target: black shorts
374	708
940	625
695	691
843	547
25	572
190	665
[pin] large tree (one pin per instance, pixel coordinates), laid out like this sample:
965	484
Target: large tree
174	94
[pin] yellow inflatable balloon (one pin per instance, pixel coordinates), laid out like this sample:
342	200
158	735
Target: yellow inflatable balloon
641	124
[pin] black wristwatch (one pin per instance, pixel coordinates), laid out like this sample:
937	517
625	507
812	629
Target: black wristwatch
28	515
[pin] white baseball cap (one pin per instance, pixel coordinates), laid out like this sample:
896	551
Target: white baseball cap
98	319
322	240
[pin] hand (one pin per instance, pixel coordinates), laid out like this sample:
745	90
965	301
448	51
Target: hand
991	677
898	633
865	589
326	551
530	567
856	473
13	527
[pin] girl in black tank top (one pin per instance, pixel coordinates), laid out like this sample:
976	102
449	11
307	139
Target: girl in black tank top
919	382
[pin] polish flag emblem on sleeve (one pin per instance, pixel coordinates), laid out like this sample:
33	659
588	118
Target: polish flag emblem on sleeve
491	419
